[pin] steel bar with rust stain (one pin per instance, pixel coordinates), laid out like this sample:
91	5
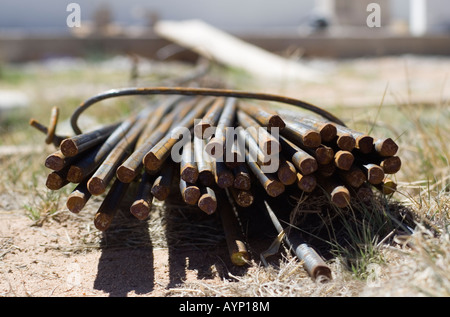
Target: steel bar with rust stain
210	119
243	198
216	145
363	142
107	170
306	183
57	161
161	150
142	203
234	236
242	178
337	192
163	182
129	169
207	202
265	140
188	166
374	173
266	117
391	165
343	160
270	183
82	142
301	134
385	147
312	262
78	197
233	155
204	163
111	203
327	130
57	179
256	153
287	173
305	163
223	176
189	192
353	177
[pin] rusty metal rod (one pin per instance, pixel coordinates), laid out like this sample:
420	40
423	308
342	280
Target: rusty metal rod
57	139
193	92
353	177
242	179
82	142
188	165
210	119
266	117
266	141
301	134
256	153
343	160
107	170
162	185
391	165
337	192
385	147
78	197
306	183
216	145
110	205
57	161
57	179
312	262
161	150
189	192
204	163
142	203
326	129
270	183
243	198
374	173
224	177
233	155
234	236
207	202
305	163
287	173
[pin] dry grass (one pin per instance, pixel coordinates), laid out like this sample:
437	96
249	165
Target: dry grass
396	246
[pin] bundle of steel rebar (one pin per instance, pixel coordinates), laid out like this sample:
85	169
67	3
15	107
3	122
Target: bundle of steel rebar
209	142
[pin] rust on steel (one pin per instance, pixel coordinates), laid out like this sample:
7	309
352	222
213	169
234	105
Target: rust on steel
129	169
344	160
191	91
142	203
266	141
354	177
189	192
163	182
306	183
57	179
188	165
362	141
287	173
210	119
161	150
82	142
57	161
374	173
243	198
301	134
78	197
204	163
265	116
216	145
243	137
305	163
337	192
312	262
107	170
223	176
270	183
234	236
207	202
327	170
385	147
110	205
242	178
391	165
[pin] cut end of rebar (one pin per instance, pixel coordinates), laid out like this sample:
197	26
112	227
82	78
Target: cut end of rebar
328	132
274	188
346	142
364	143
191	195
54	162
308	166
312	139
391	165
206	178
275	121
225	180
75	174
69	148
189	174
140	209
375	175
102	221
241	182
96	186
152	162
324	155
55	181
340	197
344	160
306	183
125	174
207	203
75	203
386	147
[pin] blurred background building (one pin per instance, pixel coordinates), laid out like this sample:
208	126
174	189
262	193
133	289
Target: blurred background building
313	25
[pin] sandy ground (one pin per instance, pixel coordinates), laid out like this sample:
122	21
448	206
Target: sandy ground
66	256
